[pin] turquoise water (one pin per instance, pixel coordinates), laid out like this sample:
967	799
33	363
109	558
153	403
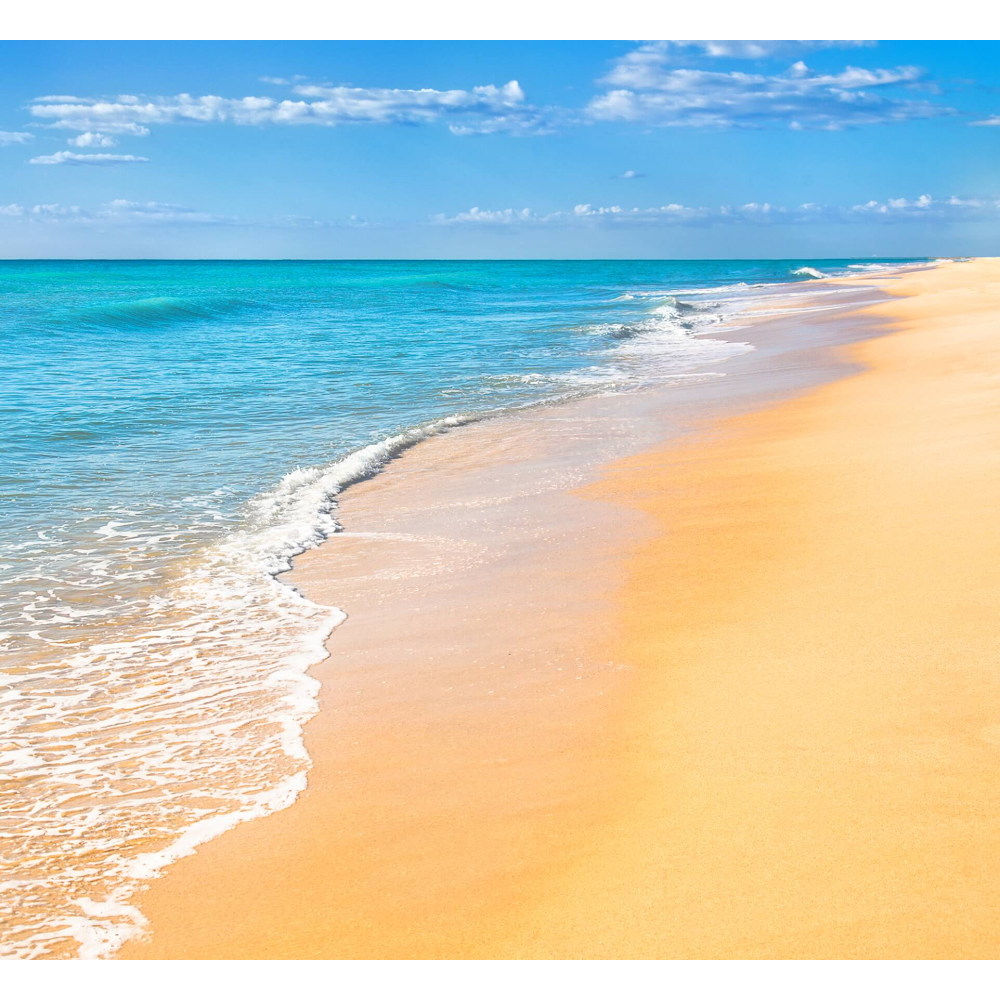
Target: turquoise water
168	393
172	433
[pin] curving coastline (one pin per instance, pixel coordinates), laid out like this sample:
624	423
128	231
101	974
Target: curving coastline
462	763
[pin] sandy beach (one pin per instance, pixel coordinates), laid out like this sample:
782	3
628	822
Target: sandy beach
709	673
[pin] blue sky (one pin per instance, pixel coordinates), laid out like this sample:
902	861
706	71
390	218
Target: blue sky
499	149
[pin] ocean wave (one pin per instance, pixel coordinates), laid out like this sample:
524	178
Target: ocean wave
150	313
663	342
890	266
714	290
175	722
615	331
809	272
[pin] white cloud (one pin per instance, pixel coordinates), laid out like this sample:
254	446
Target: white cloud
524	122
477	216
923	207
646	88
754	49
993	120
919	205
631	175
482	109
65	157
62	98
672	213
15	138
92	139
123	212
56	211
119	211
83	124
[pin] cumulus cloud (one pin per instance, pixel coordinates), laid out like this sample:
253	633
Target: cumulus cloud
501	217
921	208
66	158
896	205
482	109
15	138
92	139
646	88
925	208
670	214
584	212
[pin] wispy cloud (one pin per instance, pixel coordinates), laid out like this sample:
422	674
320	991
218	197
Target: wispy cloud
993	120
631	175
923	208
647	89
120	211
762	49
481	109
15	138
125	212
81	124
66	158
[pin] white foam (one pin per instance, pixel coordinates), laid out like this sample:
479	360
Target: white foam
887	268
180	718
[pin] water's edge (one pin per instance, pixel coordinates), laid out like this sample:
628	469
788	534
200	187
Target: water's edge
333	482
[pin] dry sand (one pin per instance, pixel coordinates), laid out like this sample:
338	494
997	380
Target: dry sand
738	698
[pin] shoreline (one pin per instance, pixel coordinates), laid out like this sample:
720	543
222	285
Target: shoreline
459	795
822	705
354	681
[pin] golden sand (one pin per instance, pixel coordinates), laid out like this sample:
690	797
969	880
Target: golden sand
802	760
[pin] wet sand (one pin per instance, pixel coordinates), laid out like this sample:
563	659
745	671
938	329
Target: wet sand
731	696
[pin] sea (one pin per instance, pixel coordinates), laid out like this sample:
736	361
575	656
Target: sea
172	434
